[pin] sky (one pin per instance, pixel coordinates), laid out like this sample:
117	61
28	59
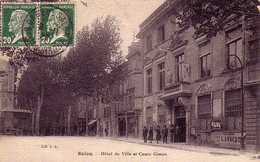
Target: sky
130	13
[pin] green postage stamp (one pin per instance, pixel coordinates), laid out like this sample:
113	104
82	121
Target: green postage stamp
37	24
57	24
18	24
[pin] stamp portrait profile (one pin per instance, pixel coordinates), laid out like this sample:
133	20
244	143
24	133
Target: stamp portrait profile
18	25
57	25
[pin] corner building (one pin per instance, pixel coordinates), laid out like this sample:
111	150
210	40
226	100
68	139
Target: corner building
188	81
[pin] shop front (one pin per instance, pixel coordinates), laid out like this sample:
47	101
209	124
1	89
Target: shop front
128	124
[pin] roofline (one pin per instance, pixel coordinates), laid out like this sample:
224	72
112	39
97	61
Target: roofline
163	9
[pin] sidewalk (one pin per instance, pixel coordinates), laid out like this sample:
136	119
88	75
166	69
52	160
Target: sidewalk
193	148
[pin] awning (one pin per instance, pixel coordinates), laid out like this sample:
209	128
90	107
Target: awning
92	122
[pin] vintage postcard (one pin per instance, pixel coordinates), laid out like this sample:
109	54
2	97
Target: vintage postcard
129	81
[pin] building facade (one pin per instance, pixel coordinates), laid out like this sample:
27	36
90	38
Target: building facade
134	114
13	120
120	110
195	83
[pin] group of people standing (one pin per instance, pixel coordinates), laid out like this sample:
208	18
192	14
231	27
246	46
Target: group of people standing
148	134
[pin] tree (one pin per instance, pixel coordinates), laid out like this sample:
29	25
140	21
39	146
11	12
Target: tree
97	53
209	16
42	90
50	85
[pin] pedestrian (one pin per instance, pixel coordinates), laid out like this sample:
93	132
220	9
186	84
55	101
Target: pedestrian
106	131
145	132
171	133
177	133
158	134
150	134
165	134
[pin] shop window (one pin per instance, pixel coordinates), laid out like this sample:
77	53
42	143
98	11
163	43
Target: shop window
233	110
204	111
149	81
161	75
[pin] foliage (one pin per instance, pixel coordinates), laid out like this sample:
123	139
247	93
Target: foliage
209	16
87	70
97	53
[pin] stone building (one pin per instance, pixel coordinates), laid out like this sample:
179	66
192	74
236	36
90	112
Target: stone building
133	115
13	120
120	112
195	83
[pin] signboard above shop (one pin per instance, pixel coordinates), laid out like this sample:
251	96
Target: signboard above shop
216	125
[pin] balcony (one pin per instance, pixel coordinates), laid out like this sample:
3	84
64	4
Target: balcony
179	88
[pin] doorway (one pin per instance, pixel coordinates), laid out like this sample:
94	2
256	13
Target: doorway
180	125
121	127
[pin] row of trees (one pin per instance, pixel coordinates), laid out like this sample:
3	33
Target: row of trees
50	85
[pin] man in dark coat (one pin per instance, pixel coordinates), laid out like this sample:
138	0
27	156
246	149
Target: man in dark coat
165	133
150	134
145	132
171	133
158	134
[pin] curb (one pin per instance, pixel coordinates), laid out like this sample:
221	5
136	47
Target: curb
177	147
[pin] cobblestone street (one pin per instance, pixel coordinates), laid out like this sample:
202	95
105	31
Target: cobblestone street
89	149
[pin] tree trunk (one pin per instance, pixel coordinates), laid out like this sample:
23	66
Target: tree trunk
69	120
86	113
38	112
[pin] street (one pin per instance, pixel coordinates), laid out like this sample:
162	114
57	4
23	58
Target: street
92	149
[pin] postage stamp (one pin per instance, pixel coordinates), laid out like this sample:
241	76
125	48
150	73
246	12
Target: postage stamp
57	25
18	25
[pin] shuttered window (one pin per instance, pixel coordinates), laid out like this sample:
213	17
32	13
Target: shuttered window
204	111
233	110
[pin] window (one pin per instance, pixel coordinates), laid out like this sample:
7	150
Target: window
205	63
161	70
162	113
179	63
149	116
161	34
149	81
107	112
204	111
149	43
233	110
131	97
235	48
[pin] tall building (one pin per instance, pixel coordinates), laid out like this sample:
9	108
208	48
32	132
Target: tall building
134	114
188	81
120	111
